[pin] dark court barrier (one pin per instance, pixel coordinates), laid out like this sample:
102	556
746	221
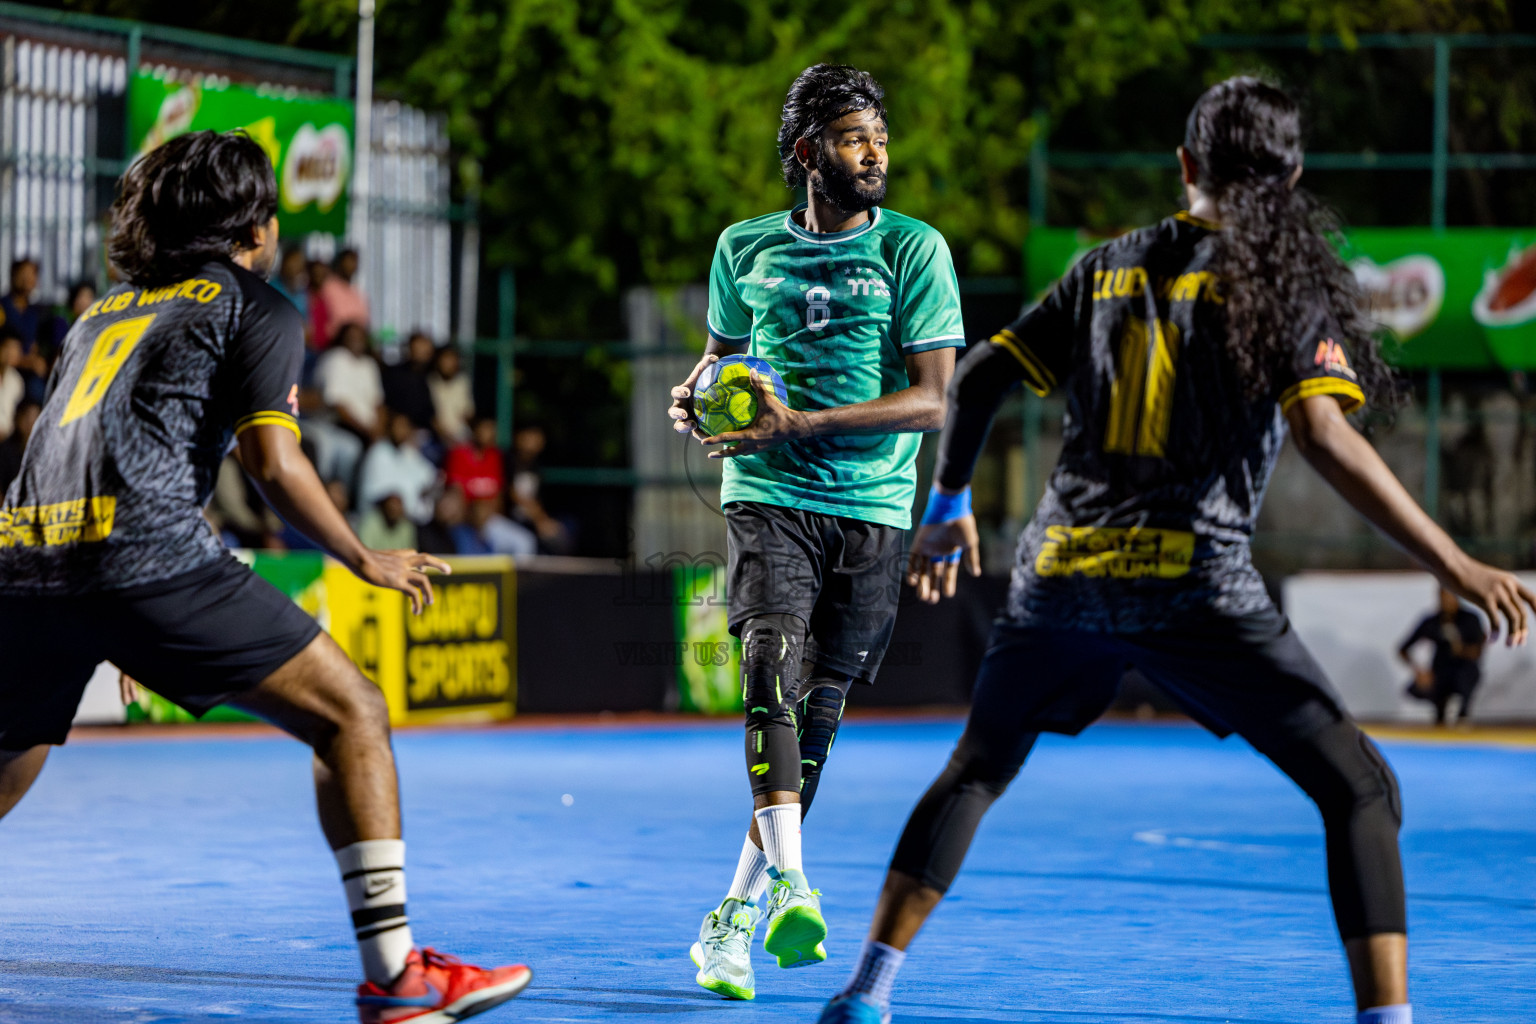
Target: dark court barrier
598	636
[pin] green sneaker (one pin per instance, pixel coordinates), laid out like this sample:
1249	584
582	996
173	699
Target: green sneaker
723	953
795	925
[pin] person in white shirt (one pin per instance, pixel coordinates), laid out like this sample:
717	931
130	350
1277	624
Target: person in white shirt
12	387
352	390
394	465
453	402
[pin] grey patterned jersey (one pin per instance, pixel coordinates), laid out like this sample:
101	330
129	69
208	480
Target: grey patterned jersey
150	388
1147	517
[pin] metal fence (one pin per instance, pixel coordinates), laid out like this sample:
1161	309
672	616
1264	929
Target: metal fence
51	101
64	141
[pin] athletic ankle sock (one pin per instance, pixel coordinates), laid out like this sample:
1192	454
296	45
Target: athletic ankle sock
751	879
779	825
1400	1013
373	873
876	973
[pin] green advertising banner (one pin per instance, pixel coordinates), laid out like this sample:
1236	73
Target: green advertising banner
1458	299
709	658
308	139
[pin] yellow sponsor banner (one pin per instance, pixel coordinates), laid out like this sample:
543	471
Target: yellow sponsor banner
1116	552
456	661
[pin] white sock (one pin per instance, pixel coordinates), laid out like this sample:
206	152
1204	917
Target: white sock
373	873
779	825
876	973
751	879
1400	1013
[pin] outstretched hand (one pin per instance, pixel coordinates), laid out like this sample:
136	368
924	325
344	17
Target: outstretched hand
681	411
774	424
1497	594
933	567
405	571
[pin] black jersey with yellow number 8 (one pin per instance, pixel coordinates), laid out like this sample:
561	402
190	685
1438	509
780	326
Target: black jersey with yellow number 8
150	387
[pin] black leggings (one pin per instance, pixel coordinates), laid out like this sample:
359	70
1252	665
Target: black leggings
1335	764
793	708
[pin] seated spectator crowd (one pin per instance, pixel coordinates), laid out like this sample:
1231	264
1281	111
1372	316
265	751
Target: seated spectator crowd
400	447
30	336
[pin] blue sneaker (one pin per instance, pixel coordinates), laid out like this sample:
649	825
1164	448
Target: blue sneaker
851	1008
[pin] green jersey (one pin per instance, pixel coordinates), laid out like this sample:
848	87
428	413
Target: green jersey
837	315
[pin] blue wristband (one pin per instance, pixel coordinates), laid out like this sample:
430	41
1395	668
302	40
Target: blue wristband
946	508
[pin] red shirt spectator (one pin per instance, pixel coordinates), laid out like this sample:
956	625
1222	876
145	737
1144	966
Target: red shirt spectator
477	467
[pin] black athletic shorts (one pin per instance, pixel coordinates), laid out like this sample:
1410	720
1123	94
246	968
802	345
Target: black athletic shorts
841	576
198	639
1249	675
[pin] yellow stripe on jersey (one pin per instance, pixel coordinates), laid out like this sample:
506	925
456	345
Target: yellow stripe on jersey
1348	392
1039	378
1199	222
268	418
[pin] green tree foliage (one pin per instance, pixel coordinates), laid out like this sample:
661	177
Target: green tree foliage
609	141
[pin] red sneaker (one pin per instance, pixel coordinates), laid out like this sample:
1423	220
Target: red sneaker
436	988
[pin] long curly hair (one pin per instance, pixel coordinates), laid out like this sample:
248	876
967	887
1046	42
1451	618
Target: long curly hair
821	94
1276	252
198	197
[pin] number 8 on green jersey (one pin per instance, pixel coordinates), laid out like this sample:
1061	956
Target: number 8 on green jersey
837	315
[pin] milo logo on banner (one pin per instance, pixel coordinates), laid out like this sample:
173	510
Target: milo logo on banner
316	168
308	138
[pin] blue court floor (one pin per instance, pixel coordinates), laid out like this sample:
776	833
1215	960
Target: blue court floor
1137	874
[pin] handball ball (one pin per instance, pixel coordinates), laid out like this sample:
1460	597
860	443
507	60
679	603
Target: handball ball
723	399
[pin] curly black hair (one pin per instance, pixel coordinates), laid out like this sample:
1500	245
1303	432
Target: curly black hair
198	197
820	95
1277	251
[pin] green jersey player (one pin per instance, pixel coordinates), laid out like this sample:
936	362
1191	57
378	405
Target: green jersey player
858	309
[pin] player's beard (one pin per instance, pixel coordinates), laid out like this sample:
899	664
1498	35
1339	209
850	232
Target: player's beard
851	193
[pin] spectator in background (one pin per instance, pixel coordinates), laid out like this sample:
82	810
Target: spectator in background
352	391
476	466
34	325
436	537
395	466
22	316
319	326
453	402
1458	638
289	539
344	304
528	444
386	527
406	386
486	531
292	281
81	295
234	515
12	387
11	448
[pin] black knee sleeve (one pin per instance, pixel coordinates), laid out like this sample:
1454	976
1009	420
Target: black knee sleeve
937	836
770	659
1357	794
822	697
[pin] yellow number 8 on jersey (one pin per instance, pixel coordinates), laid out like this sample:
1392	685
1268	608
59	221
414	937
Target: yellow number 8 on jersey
112	349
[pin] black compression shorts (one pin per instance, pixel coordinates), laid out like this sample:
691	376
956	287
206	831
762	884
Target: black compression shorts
1249	675
198	639
841	576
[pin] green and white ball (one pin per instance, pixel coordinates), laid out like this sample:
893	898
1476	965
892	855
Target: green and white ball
723	399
